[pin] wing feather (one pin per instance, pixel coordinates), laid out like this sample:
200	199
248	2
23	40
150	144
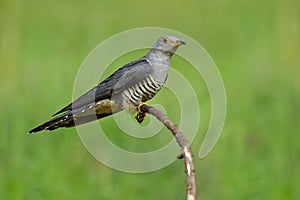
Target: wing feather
125	77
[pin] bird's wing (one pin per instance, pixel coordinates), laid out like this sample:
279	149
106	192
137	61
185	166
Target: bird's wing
125	77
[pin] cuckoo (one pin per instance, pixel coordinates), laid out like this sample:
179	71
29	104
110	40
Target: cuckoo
127	88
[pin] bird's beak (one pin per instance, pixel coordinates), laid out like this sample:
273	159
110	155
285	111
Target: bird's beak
180	42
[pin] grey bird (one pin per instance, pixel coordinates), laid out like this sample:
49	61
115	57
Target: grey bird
127	88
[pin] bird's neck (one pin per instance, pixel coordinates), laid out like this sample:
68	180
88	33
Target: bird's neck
160	61
159	56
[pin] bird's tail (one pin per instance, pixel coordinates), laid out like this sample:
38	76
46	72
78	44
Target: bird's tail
68	119
65	120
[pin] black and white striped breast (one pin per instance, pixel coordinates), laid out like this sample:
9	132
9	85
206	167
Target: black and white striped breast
142	91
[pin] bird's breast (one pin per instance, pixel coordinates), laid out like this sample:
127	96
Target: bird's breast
142	91
160	72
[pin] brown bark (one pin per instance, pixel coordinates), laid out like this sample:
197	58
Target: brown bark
181	140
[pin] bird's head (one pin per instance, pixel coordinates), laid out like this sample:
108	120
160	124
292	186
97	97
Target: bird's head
168	44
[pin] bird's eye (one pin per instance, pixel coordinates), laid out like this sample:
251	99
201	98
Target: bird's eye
165	40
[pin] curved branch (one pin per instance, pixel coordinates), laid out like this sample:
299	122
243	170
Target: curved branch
181	140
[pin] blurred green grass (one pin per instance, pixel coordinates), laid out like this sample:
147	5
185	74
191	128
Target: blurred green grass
256	47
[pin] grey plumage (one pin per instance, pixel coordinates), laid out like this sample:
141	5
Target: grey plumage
128	87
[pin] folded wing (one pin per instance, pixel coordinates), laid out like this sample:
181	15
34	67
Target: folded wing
125	77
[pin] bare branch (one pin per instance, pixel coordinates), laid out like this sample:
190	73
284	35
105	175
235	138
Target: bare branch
181	140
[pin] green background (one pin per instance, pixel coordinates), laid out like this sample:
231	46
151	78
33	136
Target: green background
256	46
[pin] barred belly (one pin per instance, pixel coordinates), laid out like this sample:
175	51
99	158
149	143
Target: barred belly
142	91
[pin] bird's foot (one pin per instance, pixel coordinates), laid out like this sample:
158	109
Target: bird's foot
140	116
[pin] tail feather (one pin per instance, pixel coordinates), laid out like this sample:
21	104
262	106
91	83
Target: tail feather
79	116
68	119
65	120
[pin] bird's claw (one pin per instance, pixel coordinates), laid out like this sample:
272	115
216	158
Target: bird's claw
140	116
